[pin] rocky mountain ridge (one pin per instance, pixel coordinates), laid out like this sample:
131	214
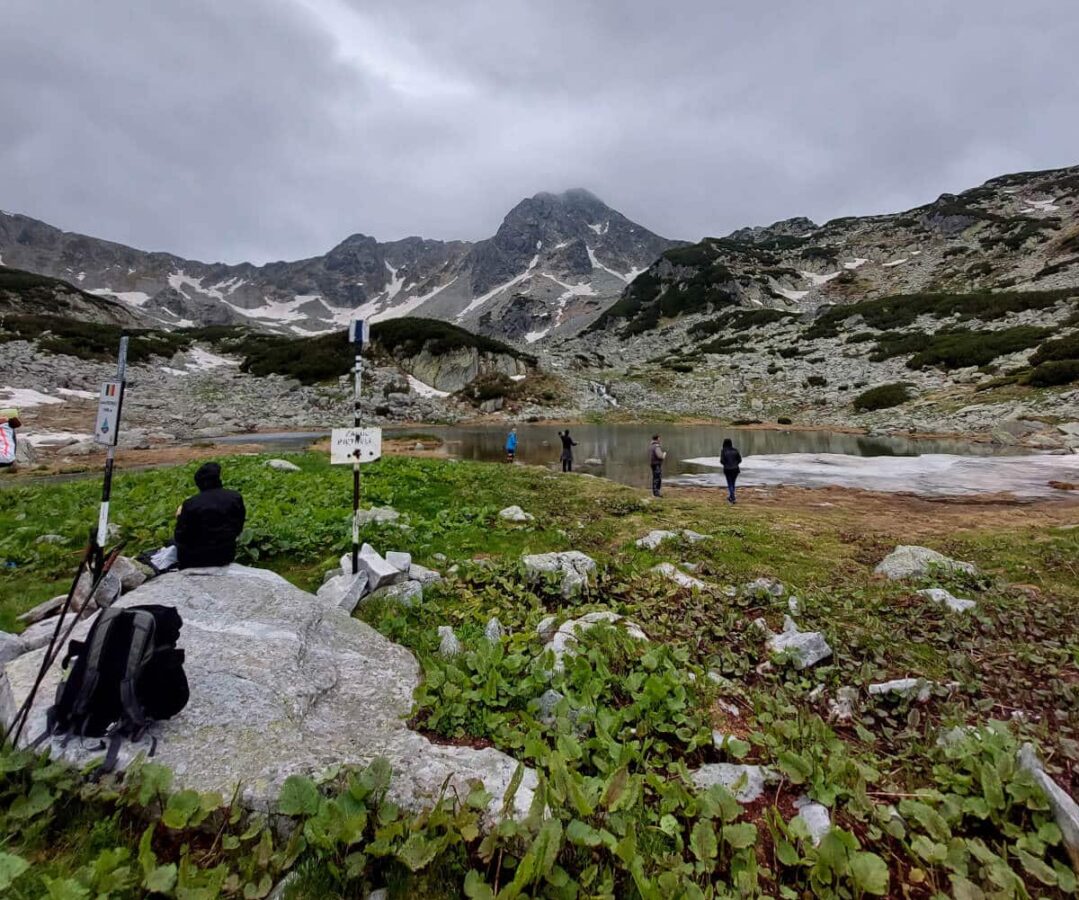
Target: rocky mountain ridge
556	262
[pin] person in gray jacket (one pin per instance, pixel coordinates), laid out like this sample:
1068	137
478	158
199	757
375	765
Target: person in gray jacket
656	455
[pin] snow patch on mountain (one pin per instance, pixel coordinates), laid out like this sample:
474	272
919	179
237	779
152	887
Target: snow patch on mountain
495	291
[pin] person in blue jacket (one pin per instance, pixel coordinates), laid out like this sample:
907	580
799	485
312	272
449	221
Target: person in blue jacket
511	445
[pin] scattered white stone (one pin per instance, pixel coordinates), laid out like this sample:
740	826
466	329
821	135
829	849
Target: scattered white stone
745	782
1065	809
282	465
402	562
919	688
764	587
548	700
941	596
379	572
566	637
794	605
668	571
907	561
841	708
806	648
694	537
593	461
50	539
574	567
654	538
515	514
816	818
493	630
448	644
422	574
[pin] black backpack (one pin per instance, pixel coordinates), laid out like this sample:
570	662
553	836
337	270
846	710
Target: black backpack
127	673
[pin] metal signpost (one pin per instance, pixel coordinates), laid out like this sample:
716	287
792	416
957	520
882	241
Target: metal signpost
107	431
358	335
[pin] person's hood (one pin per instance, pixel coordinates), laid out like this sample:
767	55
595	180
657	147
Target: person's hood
208	476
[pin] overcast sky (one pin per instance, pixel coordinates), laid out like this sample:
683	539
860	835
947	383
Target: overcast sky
271	129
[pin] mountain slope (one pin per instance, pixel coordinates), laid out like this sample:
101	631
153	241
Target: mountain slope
556	262
1016	230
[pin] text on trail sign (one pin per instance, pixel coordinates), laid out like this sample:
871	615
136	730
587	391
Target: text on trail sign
349	445
106	428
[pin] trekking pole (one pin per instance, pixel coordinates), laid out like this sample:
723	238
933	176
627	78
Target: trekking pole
55	646
15	728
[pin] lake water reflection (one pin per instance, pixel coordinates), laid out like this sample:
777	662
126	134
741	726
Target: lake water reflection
623	449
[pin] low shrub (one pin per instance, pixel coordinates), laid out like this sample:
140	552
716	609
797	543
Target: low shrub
784	420
816	381
884	396
1054	372
1062	348
959	349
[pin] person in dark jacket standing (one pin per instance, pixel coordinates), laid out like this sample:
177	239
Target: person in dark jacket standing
730	459
656	455
568	444
208	524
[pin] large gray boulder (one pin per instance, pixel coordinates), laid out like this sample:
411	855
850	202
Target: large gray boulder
281	684
907	561
11	646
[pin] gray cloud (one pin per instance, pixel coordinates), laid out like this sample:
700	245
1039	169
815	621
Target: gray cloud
266	129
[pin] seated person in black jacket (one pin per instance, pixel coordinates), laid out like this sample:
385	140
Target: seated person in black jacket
208	524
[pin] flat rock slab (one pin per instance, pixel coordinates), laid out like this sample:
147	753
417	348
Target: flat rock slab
281	684
944	598
907	561
745	782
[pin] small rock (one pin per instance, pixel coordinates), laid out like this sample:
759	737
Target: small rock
440	557
593	461
422	574
379	572
11	645
548	701
816	818
405	593
400	561
282	465
515	514
574	567
694	537
546	627
745	782
941	596
130	573
344	591
904	687
805	648
794	605
841	709
448	644
493	630
669	572
43	610
907	561
50	539
1065	809
380	894
654	538
764	587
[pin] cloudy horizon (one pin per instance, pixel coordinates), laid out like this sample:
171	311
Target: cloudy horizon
256	131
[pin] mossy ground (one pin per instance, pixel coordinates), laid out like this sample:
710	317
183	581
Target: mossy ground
1014	659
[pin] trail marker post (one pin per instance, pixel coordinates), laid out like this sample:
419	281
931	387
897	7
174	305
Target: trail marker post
358	335
107	431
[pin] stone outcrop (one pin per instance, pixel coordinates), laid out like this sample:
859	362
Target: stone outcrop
919	562
281	683
574	568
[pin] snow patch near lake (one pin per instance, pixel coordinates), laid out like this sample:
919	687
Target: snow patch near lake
1041	205
789	294
10	396
403	309
52	438
204	360
935	475
855	263
84	395
894	262
425	390
534	336
819	279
